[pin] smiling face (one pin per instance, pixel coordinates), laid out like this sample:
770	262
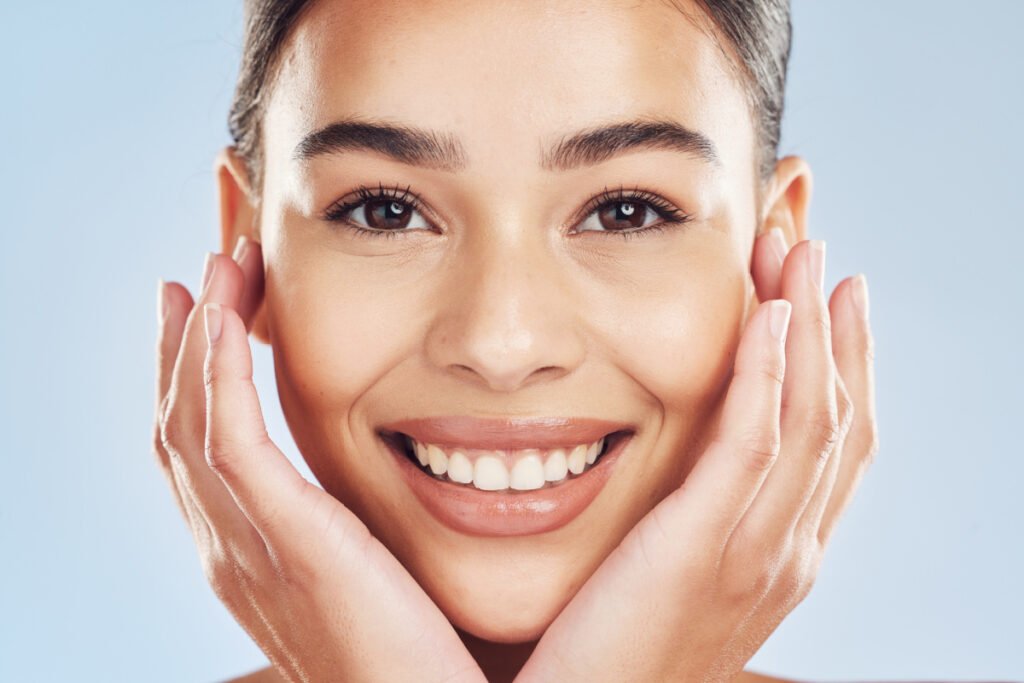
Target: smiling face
565	199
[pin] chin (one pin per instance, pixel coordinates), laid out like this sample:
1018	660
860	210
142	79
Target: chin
506	614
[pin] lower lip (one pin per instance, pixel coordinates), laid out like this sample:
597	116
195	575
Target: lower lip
508	513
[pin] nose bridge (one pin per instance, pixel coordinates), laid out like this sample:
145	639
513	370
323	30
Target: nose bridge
506	315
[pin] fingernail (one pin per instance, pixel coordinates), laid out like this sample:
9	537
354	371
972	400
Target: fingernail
162	306
207	270
241	246
213	319
859	294
777	242
778	318
816	262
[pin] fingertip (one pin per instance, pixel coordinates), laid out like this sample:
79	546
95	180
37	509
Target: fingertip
213	321
777	244
779	314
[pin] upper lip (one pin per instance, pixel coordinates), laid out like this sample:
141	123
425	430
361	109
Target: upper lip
506	433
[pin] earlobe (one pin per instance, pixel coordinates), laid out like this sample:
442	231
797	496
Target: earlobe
238	216
787	199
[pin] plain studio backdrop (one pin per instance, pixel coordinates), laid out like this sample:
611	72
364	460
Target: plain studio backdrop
910	114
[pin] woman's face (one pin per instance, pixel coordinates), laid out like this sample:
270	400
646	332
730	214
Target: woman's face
505	287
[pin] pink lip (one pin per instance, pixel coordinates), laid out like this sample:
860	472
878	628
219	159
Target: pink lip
507	513
506	433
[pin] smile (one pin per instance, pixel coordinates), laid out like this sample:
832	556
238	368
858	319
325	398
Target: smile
507	476
492	470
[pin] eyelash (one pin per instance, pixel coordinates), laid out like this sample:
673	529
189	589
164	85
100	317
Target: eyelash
339	210
670	215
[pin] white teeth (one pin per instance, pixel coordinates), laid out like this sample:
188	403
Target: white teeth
438	460
532	469
578	459
528	473
421	453
556	467
460	469
490	474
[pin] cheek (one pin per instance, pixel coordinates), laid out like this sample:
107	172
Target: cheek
338	324
674	328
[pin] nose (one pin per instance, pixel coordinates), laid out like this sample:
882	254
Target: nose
507	318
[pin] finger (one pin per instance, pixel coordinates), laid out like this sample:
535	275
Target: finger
185	423
810	424
855	360
810	519
727	476
175	303
272	494
769	254
249	257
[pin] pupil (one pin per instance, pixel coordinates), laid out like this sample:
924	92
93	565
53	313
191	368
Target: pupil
387	214
622	216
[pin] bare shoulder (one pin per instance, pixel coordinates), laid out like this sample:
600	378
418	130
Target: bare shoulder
267	675
754	677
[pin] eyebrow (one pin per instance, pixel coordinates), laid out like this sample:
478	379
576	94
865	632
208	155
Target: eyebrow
433	149
598	144
405	144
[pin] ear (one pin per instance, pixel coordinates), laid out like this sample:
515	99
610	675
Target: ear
787	198
238	216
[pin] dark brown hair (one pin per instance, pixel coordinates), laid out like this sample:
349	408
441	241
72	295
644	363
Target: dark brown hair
758	31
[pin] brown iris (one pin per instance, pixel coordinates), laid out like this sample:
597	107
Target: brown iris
622	215
387	214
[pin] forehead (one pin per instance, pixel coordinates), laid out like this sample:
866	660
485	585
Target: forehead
506	77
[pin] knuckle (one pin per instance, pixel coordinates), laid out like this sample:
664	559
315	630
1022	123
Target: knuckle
823	430
760	449
158	444
847	412
771	368
212	375
867	438
821	322
219	574
220	454
755	583
171	434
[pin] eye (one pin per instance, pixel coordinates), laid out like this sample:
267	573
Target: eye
635	211
618	216
379	210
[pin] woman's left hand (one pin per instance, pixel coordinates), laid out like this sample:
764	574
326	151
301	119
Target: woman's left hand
695	589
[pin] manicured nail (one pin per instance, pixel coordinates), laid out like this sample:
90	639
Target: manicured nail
213	319
859	292
778	318
777	242
162	306
241	246
207	270
816	262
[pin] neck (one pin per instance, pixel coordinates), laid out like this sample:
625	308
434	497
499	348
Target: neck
500	662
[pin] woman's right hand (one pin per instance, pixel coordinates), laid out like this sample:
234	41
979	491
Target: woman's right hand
323	598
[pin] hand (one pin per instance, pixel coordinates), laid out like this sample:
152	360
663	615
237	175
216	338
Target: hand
700	583
323	598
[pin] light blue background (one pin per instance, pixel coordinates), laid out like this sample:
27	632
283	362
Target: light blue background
910	114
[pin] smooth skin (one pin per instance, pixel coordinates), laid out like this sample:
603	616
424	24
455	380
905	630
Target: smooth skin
503	306
277	549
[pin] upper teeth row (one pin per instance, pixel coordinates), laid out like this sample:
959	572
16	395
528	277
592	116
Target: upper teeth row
488	471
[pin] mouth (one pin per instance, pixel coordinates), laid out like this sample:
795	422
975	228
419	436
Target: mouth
505	478
527	469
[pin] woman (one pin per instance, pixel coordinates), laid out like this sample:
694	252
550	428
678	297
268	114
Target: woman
547	329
